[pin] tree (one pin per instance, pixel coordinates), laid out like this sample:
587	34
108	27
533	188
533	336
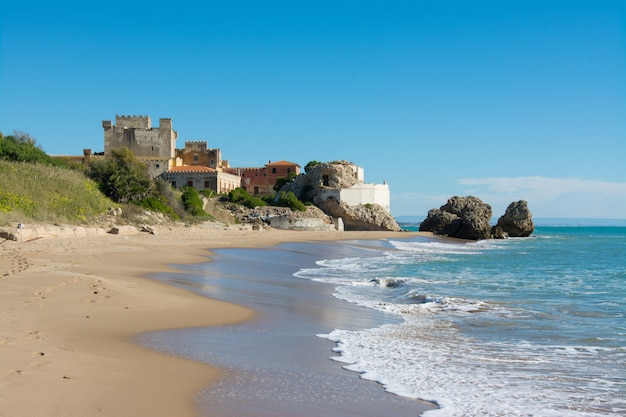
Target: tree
22	147
282	181
122	177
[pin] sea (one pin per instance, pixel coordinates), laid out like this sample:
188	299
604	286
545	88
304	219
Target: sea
518	327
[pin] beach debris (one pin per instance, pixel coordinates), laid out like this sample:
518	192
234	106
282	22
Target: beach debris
147	229
123	230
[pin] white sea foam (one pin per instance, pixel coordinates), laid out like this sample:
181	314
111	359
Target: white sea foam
429	357
468	379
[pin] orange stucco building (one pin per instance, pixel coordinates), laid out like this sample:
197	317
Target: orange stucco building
261	181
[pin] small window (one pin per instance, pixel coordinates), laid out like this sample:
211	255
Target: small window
325	180
196	158
288	170
273	170
174	184
256	190
158	165
207	184
189	183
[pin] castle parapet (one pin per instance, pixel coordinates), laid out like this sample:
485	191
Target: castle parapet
134	122
196	145
165	123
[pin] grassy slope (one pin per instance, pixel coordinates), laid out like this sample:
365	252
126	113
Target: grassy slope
48	194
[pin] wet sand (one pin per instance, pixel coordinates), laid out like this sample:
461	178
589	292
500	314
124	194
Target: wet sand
71	309
275	363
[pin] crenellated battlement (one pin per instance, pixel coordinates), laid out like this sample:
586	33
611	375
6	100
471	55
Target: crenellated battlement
133	122
196	146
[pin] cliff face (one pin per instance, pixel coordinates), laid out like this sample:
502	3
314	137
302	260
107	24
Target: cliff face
314	187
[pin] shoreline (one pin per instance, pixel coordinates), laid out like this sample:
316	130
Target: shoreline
70	308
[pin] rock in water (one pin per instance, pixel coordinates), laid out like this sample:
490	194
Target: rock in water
461	217
517	221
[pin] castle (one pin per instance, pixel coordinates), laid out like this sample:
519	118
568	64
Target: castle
155	147
203	168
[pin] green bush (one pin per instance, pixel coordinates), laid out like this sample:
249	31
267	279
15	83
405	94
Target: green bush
171	197
20	147
310	165
193	203
238	195
290	200
281	182
158	204
122	177
241	196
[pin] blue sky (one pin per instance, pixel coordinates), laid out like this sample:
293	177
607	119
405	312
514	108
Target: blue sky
504	100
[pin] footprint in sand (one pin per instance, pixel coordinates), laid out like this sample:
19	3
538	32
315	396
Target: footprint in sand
13	263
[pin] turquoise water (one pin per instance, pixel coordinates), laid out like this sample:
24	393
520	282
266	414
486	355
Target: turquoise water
518	327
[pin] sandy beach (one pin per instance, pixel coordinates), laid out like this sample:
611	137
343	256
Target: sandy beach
71	306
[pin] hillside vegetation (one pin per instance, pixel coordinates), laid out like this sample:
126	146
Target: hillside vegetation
36	187
48	193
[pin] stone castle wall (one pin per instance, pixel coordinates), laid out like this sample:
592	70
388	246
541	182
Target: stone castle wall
156	146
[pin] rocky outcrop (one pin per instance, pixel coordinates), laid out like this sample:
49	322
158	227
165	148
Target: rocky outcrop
468	218
517	221
371	217
460	217
284	218
317	186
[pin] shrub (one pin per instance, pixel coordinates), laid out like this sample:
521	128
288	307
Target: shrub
20	147
281	182
122	177
238	195
171	197
310	165
158	205
193	203
241	196
290	200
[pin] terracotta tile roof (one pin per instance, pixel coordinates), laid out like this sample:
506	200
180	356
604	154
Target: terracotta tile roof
281	163
191	168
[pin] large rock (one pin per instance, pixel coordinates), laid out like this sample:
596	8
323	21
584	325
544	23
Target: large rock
460	217
25	233
284	218
371	217
517	221
340	175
